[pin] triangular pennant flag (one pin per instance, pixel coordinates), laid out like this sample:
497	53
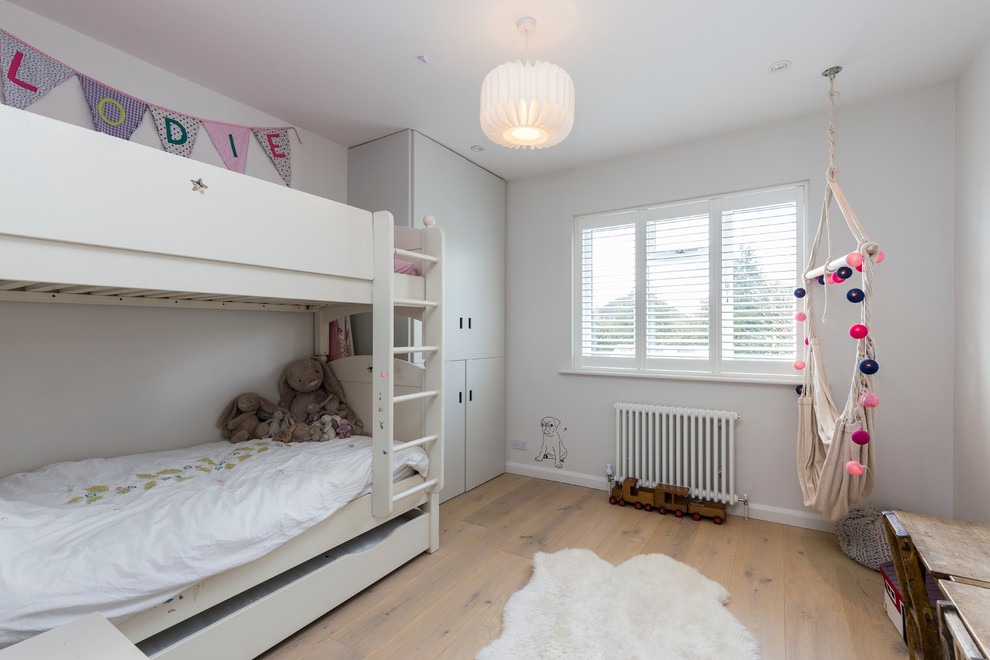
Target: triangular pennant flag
114	113
231	142
176	131
275	142
28	74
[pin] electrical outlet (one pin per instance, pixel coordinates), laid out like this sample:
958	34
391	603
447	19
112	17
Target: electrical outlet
518	443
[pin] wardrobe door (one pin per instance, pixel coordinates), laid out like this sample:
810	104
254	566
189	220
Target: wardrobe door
454	405
485	276
485	421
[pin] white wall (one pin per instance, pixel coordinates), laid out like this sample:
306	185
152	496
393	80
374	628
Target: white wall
80	381
895	160
971	492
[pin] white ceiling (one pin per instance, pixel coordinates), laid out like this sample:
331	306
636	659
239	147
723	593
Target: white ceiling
647	73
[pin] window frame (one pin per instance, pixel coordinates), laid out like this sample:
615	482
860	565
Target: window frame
714	367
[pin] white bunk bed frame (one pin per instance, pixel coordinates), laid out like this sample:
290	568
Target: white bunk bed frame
147	238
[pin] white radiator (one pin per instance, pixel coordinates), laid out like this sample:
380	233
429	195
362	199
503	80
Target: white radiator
678	447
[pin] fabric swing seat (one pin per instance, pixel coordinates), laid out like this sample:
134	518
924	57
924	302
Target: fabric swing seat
825	444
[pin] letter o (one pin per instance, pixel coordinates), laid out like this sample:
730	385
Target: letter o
123	113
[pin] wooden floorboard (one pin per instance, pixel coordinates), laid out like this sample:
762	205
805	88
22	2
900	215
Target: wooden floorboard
793	588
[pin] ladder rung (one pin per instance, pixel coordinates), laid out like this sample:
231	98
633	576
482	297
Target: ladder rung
409	302
398	350
415	443
414	396
415	255
415	489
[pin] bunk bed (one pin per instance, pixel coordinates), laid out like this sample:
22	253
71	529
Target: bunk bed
69	233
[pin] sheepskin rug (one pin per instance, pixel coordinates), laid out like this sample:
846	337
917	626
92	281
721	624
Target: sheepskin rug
578	605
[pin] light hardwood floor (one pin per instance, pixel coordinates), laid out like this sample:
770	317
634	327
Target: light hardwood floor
793	588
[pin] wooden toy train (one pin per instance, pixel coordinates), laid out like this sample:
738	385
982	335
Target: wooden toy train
665	498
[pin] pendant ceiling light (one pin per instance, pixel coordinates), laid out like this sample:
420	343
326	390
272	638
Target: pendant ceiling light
527	105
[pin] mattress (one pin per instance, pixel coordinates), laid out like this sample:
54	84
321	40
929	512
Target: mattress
121	535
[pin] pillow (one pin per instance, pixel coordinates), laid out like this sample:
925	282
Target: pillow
405	267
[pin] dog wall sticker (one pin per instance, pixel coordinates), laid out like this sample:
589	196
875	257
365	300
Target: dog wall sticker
552	445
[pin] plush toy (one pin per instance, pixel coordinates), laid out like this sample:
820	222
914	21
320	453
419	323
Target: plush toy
327	431
308	390
246	417
299	433
280	420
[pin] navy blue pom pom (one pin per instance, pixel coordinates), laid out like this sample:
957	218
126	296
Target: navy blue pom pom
869	367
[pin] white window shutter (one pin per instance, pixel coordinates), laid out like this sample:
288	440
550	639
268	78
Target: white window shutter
759	253
608	292
677	288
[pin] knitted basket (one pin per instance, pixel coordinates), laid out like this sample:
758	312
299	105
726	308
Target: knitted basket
861	536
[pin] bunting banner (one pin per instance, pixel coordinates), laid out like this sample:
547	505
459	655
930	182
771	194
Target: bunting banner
28	74
275	142
231	142
176	131
114	113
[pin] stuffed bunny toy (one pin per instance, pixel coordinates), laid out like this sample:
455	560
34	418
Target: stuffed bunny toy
280	420
308	390
299	433
327	431
246	417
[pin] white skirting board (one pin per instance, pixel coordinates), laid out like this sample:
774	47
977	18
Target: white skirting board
792	517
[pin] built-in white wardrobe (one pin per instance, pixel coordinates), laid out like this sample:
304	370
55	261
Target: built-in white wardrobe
423	177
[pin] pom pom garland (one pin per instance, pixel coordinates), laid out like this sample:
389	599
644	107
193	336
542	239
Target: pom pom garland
858	331
835	279
855	468
869	400
855	295
869	367
799	389
799	292
859	436
854	259
799	364
844	273
821	279
801	316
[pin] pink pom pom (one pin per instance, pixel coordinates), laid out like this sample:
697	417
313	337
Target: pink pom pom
835	279
855	468
799	364
854	259
859	436
860	268
879	256
858	331
805	341
869	400
801	316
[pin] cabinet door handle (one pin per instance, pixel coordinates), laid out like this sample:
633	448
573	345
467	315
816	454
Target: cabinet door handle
470	395
461	323
460	397
469	323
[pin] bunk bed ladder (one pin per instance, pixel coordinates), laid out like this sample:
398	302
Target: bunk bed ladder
384	399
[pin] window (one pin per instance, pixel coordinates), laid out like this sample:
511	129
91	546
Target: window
703	287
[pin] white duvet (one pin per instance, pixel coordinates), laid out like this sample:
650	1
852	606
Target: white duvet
121	535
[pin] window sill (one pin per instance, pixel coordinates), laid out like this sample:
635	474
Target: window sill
759	379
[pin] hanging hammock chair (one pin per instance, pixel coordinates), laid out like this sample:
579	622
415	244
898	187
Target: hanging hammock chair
835	457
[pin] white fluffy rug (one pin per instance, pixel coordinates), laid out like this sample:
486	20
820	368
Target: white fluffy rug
578	605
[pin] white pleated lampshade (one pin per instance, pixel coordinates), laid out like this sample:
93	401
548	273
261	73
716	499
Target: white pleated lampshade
527	105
